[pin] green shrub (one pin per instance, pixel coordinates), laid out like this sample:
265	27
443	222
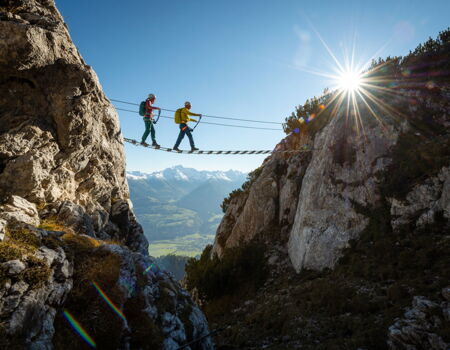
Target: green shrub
84	302
37	272
9	252
229	275
24	237
52	224
414	159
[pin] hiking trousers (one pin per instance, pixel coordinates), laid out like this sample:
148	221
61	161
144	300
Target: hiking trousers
184	130
149	128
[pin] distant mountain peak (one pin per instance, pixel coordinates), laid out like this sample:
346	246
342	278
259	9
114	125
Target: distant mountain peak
181	173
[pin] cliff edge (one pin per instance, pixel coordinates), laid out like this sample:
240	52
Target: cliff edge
68	233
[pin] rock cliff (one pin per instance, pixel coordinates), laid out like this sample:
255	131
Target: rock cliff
357	205
66	220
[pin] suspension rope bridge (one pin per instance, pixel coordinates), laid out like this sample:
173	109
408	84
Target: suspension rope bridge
165	149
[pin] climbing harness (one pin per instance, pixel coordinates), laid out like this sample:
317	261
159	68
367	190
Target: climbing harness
137	143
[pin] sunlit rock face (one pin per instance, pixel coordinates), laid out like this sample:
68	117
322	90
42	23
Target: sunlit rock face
342	175
63	193
317	201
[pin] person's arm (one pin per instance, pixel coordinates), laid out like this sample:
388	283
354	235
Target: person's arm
149	106
194	114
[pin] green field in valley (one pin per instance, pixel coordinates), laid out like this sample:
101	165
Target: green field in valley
191	245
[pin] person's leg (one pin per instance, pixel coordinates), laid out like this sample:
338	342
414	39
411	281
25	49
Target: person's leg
147	130
191	139
183	128
152	131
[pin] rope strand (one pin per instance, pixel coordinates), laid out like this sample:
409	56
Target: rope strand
204	115
229	125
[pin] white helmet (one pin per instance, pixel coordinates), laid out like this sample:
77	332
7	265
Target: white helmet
151	96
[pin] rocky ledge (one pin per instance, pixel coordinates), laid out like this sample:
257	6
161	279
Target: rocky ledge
66	221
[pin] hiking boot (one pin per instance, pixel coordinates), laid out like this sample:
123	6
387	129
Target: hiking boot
176	149
194	149
154	144
145	144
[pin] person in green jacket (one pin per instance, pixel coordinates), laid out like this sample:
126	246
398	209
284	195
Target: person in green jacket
148	120
184	128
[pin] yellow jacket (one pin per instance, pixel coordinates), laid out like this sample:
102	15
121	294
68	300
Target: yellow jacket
185	113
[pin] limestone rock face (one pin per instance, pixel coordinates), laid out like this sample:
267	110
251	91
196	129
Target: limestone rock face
60	137
33	289
424	201
417	329
319	200
268	205
180	321
62	175
18	209
326	217
310	197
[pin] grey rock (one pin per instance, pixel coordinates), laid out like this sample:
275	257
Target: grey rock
14	267
326	218
18	210
417	329
19	288
424	201
62	159
270	201
3	224
75	217
446	293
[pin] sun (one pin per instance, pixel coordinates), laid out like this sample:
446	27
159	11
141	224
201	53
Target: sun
349	81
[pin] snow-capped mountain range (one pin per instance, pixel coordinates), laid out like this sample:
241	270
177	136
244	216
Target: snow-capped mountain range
180	201
180	173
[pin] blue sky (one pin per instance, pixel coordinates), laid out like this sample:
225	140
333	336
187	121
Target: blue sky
237	58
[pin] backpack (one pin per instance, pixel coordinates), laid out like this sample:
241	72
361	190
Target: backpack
142	108
177	117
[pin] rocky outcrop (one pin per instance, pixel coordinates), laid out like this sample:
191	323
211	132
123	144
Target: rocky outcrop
320	199
311	196
33	288
268	204
60	138
326	217
62	173
420	324
423	202
355	229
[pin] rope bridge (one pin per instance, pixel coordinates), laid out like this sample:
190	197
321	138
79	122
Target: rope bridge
165	149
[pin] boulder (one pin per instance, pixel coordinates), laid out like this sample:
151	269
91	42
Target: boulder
18	210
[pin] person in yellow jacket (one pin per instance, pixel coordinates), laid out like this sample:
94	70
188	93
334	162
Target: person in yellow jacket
184	128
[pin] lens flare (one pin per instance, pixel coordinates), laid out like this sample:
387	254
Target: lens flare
148	268
350	81
109	301
77	327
